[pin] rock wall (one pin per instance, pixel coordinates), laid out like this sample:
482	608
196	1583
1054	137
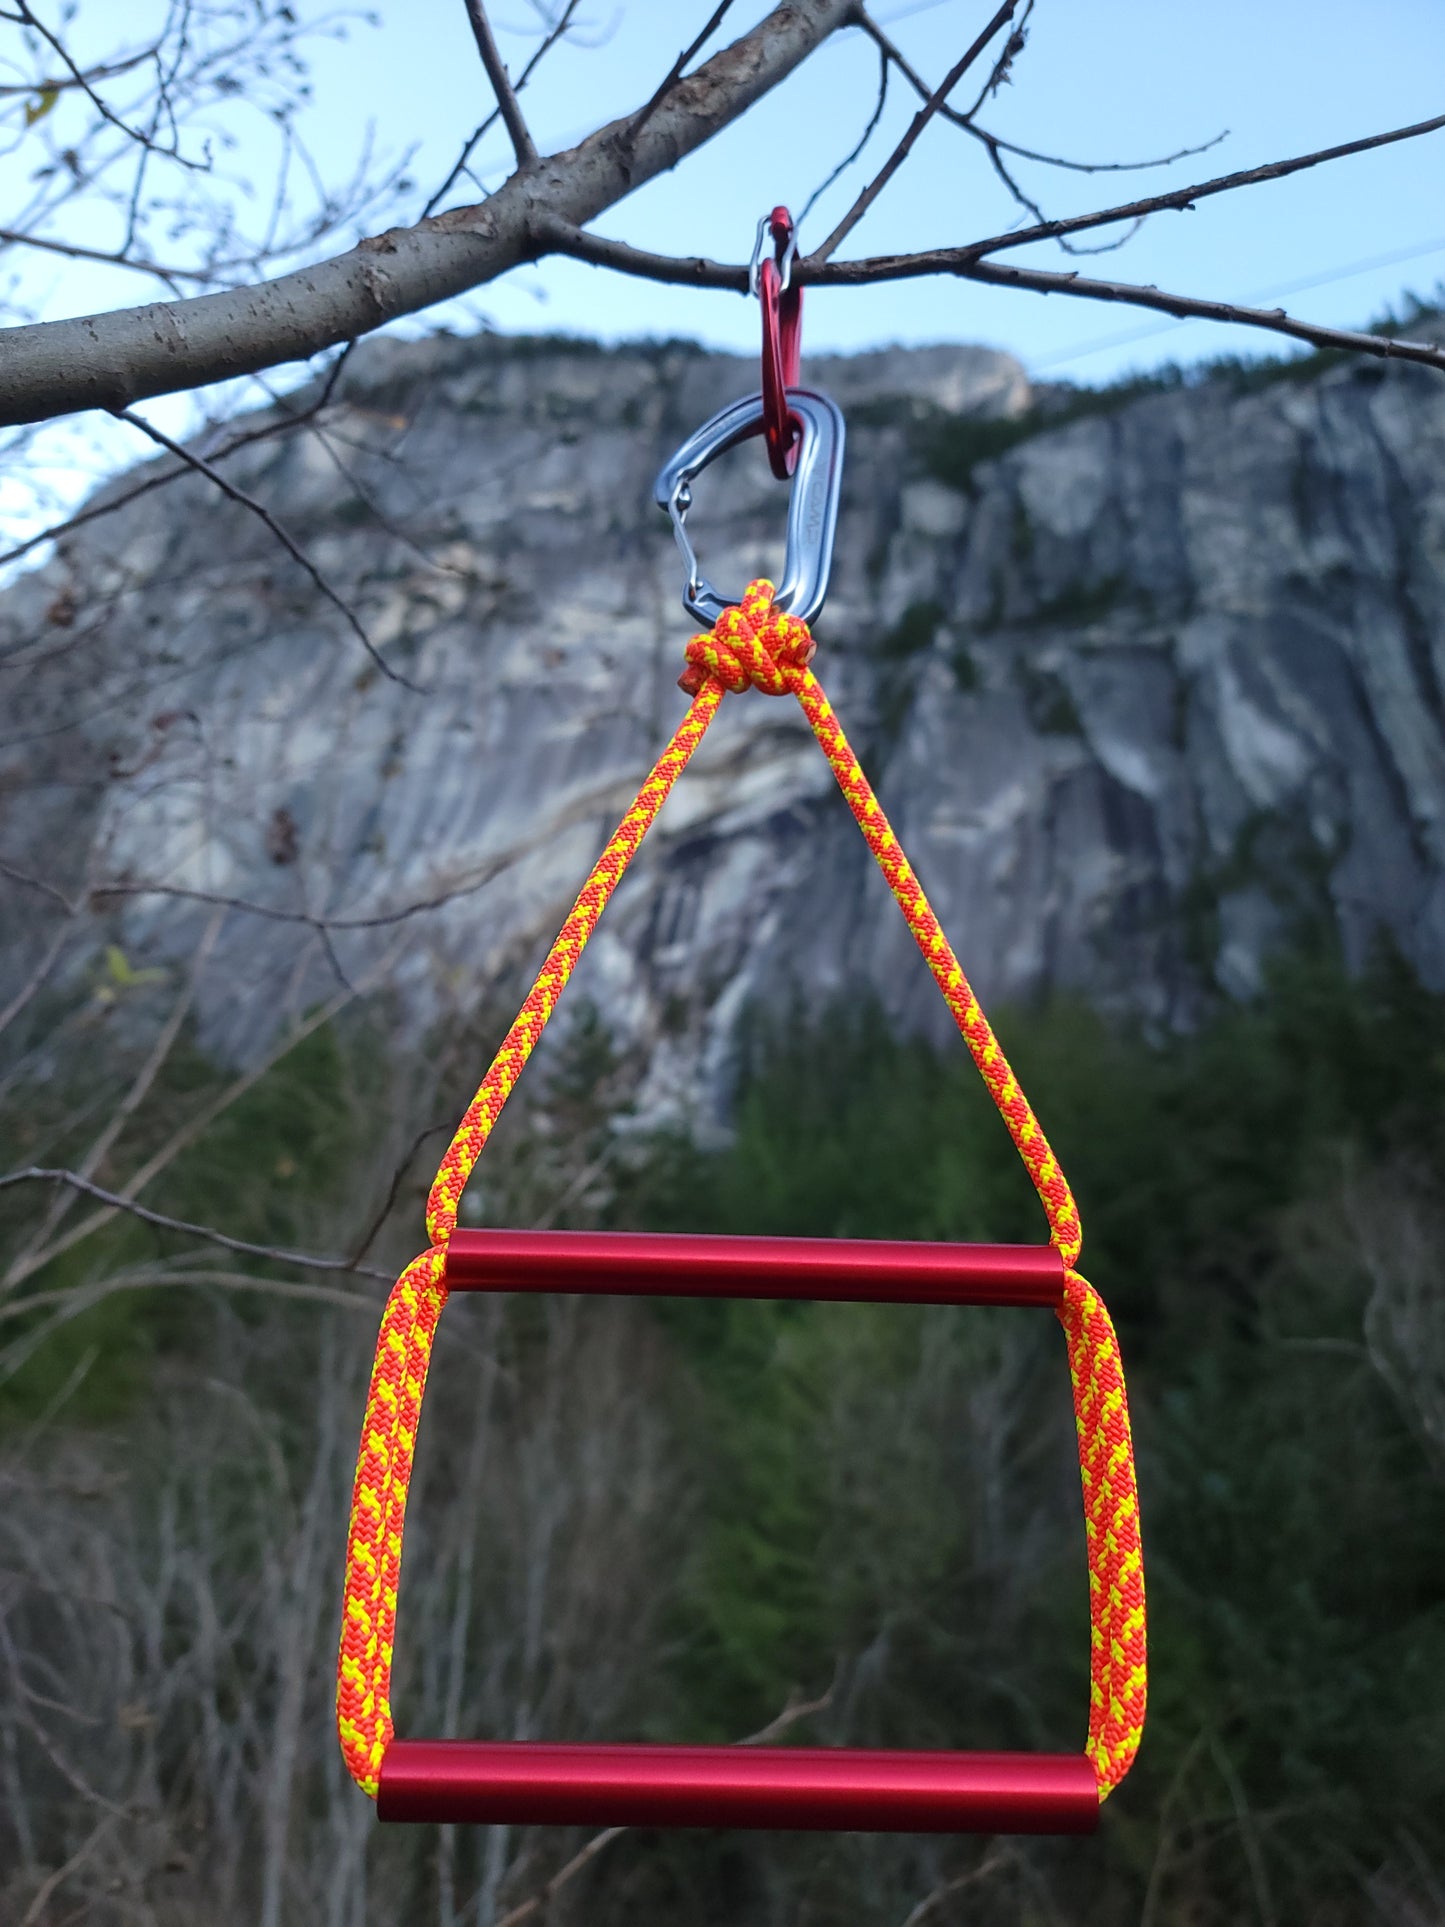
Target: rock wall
1147	685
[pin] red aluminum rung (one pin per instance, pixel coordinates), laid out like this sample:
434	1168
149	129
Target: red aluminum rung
833	1788
861	1270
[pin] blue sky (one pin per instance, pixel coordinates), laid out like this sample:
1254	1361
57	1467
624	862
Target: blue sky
1114	80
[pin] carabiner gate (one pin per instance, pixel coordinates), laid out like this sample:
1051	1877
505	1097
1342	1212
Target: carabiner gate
812	504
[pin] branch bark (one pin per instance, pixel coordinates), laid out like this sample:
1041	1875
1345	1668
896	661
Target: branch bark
78	1182
523	146
112	360
920	120
696	271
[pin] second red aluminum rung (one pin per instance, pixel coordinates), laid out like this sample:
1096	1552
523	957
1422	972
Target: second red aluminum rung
665	1264
541	1783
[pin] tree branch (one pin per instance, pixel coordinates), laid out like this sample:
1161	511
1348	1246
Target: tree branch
893	53
920	120
111	360
555	33
697	272
38	1174
863	139
523	146
1185	197
291	418
536	1905
288	541
78	78
1275	320
644	114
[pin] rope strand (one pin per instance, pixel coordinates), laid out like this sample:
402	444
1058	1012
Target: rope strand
751	645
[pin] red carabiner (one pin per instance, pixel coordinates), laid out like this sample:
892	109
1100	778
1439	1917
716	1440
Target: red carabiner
782	305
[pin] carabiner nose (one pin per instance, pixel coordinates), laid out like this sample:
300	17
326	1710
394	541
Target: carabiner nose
812	504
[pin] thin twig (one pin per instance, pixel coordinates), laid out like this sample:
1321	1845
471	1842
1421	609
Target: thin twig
59	84
469	146
41	1174
644	113
291	419
73	251
523	146
36	1910
920	120
1182	198
364	1243
188	1133
537	1903
79	79
985	1870
288	542
138	1090
33	984
920	86
73	1301
863	140
1274	320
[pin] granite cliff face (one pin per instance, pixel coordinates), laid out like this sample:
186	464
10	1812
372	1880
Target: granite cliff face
1142	681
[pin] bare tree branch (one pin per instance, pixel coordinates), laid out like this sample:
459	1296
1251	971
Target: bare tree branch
35	1912
555	33
111	360
698	272
986	1869
536	1905
523	146
288	542
138	1090
1185	197
1274	320
188	1133
920	120
71	1301
33	984
291	418
73	251
894	54
644	114
75	1181
63	83
364	1243
863	139
78	78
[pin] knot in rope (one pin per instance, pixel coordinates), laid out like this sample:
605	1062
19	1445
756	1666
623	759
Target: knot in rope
752	644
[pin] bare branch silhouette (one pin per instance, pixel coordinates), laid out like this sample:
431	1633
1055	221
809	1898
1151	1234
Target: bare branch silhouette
644	114
698	272
76	1181
115	359
536	1905
920	120
291	418
288	542
895	56
1182	198
555	33
523	146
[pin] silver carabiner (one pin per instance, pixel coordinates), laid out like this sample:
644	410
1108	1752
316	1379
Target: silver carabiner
812	504
785	265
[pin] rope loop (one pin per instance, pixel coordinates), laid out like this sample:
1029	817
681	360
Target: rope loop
753	645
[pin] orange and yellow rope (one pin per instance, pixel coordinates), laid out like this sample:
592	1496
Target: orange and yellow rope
751	645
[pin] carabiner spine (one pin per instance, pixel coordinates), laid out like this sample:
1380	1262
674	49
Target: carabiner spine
812	504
